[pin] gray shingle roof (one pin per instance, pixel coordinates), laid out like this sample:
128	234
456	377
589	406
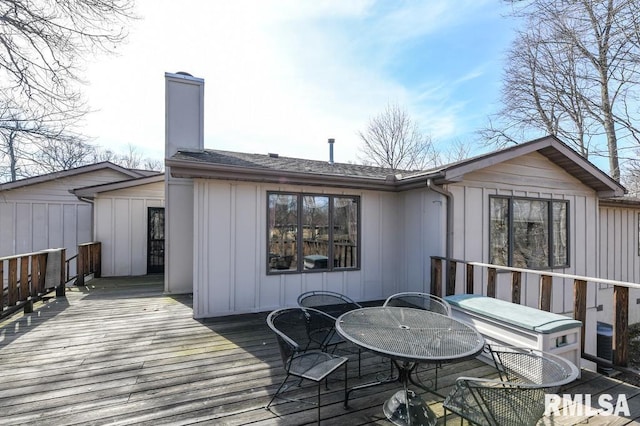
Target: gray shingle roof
286	164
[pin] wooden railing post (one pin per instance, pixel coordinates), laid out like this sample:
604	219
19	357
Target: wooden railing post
24	278
62	288
545	292
492	275
97	262
469	289
516	287
12	296
580	307
80	265
451	277
620	325
436	276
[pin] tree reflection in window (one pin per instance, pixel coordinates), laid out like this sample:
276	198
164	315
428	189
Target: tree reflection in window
528	233
309	232
283	230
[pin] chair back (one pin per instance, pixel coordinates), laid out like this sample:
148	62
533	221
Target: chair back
426	301
533	367
329	302
300	329
518	397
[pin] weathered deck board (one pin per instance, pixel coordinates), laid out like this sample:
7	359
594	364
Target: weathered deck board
120	352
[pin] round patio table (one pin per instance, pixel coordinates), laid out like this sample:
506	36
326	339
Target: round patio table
410	336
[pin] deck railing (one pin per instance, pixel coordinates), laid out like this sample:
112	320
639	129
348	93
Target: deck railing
89	261
23	278
27	277
620	343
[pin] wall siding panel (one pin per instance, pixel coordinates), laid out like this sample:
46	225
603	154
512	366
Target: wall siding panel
531	176
230	258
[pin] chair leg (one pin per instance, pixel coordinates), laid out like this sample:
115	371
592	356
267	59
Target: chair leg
346	394
319	402
278	391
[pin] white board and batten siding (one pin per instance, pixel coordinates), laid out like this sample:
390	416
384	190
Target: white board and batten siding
619	258
120	224
530	176
230	260
46	215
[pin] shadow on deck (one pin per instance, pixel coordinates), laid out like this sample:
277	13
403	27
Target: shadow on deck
119	351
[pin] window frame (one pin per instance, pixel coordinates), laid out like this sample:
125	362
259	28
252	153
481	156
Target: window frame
299	269
550	234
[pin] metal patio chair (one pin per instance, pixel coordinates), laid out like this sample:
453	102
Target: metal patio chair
427	302
300	355
333	304
517	397
414	299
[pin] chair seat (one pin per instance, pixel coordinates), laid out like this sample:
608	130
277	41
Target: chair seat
315	365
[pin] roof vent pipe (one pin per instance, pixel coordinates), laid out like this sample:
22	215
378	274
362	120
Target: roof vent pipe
331	141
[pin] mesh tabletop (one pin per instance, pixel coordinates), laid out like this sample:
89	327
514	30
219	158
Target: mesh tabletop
409	334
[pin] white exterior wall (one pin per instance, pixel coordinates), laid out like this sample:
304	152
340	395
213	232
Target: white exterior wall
121	220
619	258
230	261
423	236
531	176
47	215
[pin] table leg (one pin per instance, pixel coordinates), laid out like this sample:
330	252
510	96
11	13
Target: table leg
390	378
405	407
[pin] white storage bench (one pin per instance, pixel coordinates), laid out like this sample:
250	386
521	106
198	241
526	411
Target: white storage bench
506	323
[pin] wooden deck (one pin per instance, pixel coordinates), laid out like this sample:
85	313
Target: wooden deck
121	352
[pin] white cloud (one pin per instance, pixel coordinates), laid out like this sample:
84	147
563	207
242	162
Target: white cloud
280	76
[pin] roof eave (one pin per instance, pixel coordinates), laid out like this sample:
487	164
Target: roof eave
195	170
90	192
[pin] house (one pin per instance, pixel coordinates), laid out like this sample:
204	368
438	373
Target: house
98	202
250	232
128	221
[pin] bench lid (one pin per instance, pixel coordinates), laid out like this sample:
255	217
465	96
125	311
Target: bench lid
519	315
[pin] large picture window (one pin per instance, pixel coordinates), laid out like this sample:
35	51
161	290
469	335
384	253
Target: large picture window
528	233
308	232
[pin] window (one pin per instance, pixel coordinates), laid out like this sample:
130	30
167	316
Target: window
528	233
308	232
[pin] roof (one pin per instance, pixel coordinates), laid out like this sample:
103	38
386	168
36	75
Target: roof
551	147
275	169
92	191
71	172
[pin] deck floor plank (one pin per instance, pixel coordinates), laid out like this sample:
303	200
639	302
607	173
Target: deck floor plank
120	352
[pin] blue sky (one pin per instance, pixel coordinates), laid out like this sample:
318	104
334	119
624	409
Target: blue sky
284	76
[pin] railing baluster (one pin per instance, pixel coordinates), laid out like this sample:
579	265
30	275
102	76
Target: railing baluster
492	275
545	293
470	278
580	305
620	325
13	282
516	287
451	277
436	277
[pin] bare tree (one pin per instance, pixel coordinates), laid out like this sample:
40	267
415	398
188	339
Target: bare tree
392	139
43	45
573	72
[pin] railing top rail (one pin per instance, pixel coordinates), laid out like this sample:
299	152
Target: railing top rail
89	243
17	256
557	274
